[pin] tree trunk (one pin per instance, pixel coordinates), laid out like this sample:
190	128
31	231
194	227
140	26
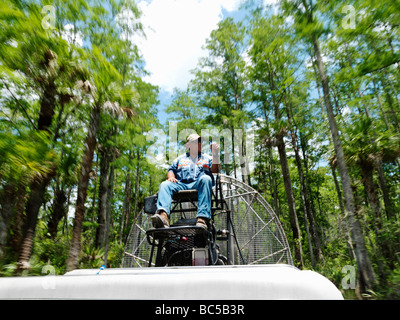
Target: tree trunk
280	143
385	191
367	173
304	196
35	201
95	180
59	210
47	106
378	97
273	184
39	185
110	194
127	206
18	222
103	190
8	201
244	164
137	187
367	274
389	97
338	191
298	251
233	152
60	206
342	227
86	167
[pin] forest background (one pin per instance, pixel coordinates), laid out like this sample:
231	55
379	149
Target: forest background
318	81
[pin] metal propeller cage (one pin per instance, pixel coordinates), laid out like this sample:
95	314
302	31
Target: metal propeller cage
255	234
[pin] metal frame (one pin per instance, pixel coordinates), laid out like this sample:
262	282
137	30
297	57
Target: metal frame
158	238
255	234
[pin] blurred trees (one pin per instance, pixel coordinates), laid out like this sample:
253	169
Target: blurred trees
71	102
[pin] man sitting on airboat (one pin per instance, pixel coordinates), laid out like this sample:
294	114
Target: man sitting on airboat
190	171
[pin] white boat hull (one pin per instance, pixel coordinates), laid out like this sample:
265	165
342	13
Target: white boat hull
258	282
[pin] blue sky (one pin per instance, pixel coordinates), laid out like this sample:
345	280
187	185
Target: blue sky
175	31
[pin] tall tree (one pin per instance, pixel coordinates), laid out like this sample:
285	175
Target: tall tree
309	28
272	75
220	85
42	59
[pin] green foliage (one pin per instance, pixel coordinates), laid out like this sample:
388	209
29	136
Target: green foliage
91	257
25	156
48	74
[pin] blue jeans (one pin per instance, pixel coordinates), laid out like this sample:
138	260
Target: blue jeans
203	186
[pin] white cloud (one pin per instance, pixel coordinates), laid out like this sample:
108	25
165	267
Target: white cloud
176	30
70	36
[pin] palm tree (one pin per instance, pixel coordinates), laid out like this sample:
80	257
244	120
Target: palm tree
87	159
86	168
366	149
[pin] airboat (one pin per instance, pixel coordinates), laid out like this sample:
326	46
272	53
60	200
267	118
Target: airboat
243	255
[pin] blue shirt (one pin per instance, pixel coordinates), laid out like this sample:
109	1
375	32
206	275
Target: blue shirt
187	169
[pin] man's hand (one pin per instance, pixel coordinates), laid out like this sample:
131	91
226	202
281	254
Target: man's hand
171	177
216	166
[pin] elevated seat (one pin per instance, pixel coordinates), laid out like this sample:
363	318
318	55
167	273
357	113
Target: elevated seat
185	196
184	243
150	203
